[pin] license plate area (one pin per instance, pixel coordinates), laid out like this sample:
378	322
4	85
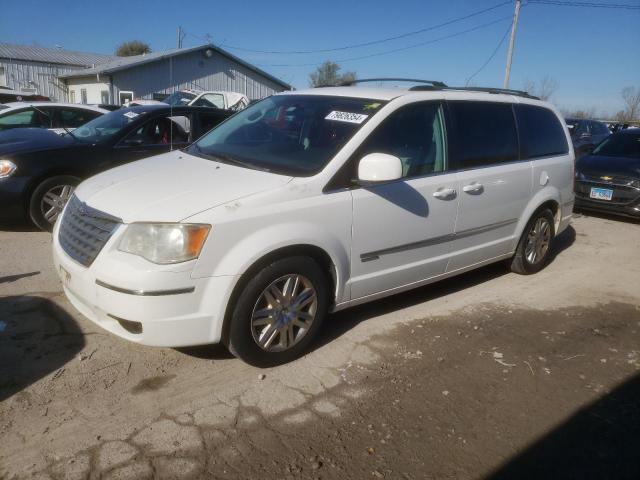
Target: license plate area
601	193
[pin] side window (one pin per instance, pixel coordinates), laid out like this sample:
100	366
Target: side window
208	121
541	133
415	134
484	133
27	118
210	100
72	118
24	118
161	131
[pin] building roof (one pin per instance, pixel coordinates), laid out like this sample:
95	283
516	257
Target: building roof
36	53
122	63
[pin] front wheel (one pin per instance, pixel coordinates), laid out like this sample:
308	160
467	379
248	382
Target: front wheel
534	249
279	312
49	198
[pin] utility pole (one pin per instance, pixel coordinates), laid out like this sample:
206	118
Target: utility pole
179	42
512	41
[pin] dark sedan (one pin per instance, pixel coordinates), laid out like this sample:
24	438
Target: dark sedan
40	169
608	179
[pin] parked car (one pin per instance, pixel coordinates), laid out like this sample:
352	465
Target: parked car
586	134
9	95
40	169
58	117
216	99
310	202
608	179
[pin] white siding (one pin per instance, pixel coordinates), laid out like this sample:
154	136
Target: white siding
91	85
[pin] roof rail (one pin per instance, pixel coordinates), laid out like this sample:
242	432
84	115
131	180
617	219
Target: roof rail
506	91
434	83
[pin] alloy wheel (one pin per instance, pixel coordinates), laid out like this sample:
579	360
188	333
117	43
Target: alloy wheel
284	313
54	200
538	241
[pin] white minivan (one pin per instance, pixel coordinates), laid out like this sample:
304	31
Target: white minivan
310	202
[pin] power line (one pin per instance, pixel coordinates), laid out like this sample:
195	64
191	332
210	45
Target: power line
493	54
374	42
395	50
624	6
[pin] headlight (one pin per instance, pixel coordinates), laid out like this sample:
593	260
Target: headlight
164	243
6	168
580	176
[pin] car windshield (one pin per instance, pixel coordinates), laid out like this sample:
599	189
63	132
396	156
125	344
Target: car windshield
620	145
106	126
288	134
179	98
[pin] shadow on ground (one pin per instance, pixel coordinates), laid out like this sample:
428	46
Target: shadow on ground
37	337
601	441
606	216
18	226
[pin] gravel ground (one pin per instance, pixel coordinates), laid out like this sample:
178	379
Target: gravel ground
487	375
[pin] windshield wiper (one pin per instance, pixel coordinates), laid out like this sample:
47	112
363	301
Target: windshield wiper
222	158
49	117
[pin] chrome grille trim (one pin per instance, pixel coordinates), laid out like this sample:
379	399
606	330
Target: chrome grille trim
84	231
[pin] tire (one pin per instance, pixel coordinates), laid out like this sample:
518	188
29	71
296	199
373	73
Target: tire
261	316
534	248
49	198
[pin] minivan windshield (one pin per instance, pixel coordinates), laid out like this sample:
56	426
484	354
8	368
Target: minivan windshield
289	134
106	126
620	145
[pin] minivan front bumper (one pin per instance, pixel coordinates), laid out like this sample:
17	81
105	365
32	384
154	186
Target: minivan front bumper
157	307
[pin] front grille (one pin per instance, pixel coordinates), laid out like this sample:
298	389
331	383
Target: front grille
622	194
84	231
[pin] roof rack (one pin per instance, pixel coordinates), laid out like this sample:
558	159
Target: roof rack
434	83
506	91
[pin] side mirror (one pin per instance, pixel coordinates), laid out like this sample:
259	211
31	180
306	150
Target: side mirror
379	167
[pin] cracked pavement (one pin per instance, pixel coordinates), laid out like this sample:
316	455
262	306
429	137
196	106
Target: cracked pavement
407	387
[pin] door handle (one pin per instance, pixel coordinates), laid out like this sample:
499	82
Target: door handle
444	193
474	187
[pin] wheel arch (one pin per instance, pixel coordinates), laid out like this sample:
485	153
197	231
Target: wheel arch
546	198
318	254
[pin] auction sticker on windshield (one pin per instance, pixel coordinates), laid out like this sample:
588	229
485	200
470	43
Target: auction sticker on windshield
346	117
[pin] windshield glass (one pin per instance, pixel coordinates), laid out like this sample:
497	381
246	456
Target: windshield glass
179	98
620	145
288	134
106	126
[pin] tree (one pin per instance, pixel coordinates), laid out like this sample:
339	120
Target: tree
544	91
132	47
326	75
631	97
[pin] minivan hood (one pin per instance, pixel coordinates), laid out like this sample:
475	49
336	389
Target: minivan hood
172	187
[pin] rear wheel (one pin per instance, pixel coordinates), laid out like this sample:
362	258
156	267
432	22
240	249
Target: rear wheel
279	312
534	249
49	198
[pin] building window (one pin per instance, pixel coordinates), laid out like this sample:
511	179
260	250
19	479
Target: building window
104	96
72	96
83	95
125	97
3	78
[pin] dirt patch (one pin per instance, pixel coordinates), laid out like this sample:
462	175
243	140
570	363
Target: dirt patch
485	393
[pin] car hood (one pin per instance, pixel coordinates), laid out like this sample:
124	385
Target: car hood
23	140
616	166
172	187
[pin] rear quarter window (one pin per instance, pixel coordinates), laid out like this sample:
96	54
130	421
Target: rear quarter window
484	134
541	134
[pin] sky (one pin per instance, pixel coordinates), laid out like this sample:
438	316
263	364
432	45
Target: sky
590	53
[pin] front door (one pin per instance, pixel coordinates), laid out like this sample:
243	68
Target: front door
402	229
495	186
